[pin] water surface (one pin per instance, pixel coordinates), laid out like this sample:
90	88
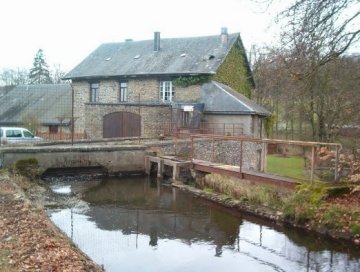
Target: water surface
136	224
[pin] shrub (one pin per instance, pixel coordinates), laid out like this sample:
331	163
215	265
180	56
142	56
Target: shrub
28	168
299	209
355	229
258	194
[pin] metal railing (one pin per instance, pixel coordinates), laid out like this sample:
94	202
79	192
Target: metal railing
264	143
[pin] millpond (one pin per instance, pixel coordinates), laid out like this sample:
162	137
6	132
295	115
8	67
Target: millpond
139	224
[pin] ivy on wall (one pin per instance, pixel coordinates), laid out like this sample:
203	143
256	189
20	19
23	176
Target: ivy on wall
186	81
269	123
235	71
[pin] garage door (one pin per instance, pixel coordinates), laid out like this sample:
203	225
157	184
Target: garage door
121	124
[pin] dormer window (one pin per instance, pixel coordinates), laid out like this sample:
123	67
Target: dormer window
166	91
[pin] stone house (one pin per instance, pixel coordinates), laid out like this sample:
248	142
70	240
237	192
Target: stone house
43	108
142	87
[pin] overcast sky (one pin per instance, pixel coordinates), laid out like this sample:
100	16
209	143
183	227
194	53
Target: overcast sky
68	30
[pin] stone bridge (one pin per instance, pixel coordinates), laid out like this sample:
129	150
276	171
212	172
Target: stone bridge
114	159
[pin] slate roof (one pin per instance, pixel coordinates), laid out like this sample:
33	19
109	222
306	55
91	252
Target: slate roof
177	56
221	99
48	102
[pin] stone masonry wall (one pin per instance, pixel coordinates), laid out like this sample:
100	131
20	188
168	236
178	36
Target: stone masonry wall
147	88
153	118
225	152
81	96
228	152
187	94
109	93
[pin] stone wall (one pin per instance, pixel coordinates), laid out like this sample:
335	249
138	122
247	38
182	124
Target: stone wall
153	118
89	116
187	94
109	91
180	148
147	88
115	159
225	152
228	152
81	96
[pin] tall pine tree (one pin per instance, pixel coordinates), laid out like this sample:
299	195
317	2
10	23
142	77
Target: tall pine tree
39	74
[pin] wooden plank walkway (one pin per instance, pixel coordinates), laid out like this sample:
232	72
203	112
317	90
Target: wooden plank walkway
217	168
234	171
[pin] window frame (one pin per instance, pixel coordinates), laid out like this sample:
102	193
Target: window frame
94	92
123	91
53	129
166	91
13	133
27	134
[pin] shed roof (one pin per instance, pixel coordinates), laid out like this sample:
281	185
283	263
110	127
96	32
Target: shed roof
221	99
196	55
48	102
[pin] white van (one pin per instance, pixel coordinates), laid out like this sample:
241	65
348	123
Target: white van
13	135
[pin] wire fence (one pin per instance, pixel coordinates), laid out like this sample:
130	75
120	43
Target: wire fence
303	161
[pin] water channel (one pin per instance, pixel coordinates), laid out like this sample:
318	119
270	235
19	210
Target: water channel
137	224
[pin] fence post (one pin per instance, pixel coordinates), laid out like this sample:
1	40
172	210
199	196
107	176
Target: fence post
336	174
72	115
241	156
263	157
212	149
139	119
312	164
192	148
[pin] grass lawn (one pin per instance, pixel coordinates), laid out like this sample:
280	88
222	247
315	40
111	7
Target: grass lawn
292	166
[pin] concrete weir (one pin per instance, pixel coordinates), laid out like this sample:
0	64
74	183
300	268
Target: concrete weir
115	159
161	161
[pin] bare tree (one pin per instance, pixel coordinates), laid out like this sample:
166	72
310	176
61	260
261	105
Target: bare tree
307	72
57	74
323	101
319	30
10	77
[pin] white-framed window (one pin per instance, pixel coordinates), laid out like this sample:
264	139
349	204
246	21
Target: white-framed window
123	91
166	91
94	92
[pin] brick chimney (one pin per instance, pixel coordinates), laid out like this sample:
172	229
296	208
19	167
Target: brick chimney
156	41
224	36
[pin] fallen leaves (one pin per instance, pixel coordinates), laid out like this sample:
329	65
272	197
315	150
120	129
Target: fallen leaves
30	242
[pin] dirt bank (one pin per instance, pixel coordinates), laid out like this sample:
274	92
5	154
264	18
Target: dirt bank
336	217
28	239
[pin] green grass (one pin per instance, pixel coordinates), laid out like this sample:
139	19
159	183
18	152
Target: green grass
292	166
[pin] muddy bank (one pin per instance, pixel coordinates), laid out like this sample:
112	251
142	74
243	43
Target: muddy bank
28	239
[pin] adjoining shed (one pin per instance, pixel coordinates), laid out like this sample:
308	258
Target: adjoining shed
43	108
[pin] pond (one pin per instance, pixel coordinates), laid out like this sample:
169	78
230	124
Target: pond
137	224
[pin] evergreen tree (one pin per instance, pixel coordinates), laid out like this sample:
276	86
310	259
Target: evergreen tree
39	74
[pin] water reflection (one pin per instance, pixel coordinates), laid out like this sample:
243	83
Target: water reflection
132	224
